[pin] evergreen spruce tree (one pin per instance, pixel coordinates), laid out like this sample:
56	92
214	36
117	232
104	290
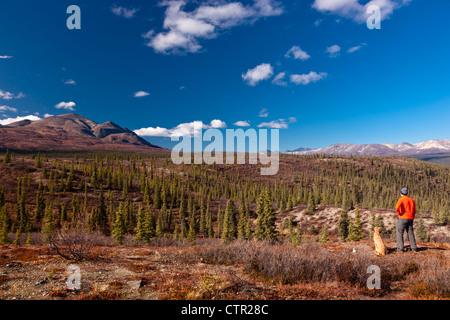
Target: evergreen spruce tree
3	225
202	224
311	204
358	231
270	232
312	229
297	238
48	227
191	233
2	197
144	227
241	235
324	236
248	230
40	207
260	223
157	199
28	241
421	232
119	227
17	238
229	231
7	157
209	222
160	226
219	221
343	225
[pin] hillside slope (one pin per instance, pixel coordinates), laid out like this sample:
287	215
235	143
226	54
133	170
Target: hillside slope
71	132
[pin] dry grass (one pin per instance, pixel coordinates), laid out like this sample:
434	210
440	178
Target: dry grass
314	263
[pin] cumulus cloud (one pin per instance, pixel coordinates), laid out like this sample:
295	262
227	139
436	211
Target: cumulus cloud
278	79
7	121
123	12
262	72
218	124
140	94
183	129
356	11
47	115
297	53
66	105
5	95
278	124
305	79
182	30
241	123
7	108
333	51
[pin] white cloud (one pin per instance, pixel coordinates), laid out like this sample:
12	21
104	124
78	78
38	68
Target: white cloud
140	94
47	115
333	51
123	12
297	53
356	48
6	57
278	79
66	105
183	129
7	108
218	124
7	121
5	95
241	123
356	11
70	81
278	124
182	30
262	72
305	79
263	113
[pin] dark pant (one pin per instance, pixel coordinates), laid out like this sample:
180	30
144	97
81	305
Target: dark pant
407	224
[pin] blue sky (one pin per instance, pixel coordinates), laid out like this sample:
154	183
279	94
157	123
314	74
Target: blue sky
311	68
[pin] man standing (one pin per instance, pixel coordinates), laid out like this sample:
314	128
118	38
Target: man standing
406	210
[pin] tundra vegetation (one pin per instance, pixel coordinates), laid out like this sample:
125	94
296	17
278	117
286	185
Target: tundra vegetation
76	202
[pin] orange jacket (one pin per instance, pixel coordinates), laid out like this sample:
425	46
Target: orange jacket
406	208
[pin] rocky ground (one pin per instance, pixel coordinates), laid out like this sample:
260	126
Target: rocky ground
180	272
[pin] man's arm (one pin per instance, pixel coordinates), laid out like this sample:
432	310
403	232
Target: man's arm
398	207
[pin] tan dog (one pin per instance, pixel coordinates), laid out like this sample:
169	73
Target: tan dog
380	248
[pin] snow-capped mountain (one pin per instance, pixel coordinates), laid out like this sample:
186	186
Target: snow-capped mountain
383	149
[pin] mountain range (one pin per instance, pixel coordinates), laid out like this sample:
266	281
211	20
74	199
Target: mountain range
71	132
383	149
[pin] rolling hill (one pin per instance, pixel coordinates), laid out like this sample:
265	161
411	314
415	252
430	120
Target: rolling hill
71	132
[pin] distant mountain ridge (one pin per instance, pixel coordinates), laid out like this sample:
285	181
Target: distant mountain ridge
299	150
383	149
71	132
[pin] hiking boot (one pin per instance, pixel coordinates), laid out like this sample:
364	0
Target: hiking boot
399	251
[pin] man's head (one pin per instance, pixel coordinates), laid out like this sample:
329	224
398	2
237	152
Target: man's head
404	191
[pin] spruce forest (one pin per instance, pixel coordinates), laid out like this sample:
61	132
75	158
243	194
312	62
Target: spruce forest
52	201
